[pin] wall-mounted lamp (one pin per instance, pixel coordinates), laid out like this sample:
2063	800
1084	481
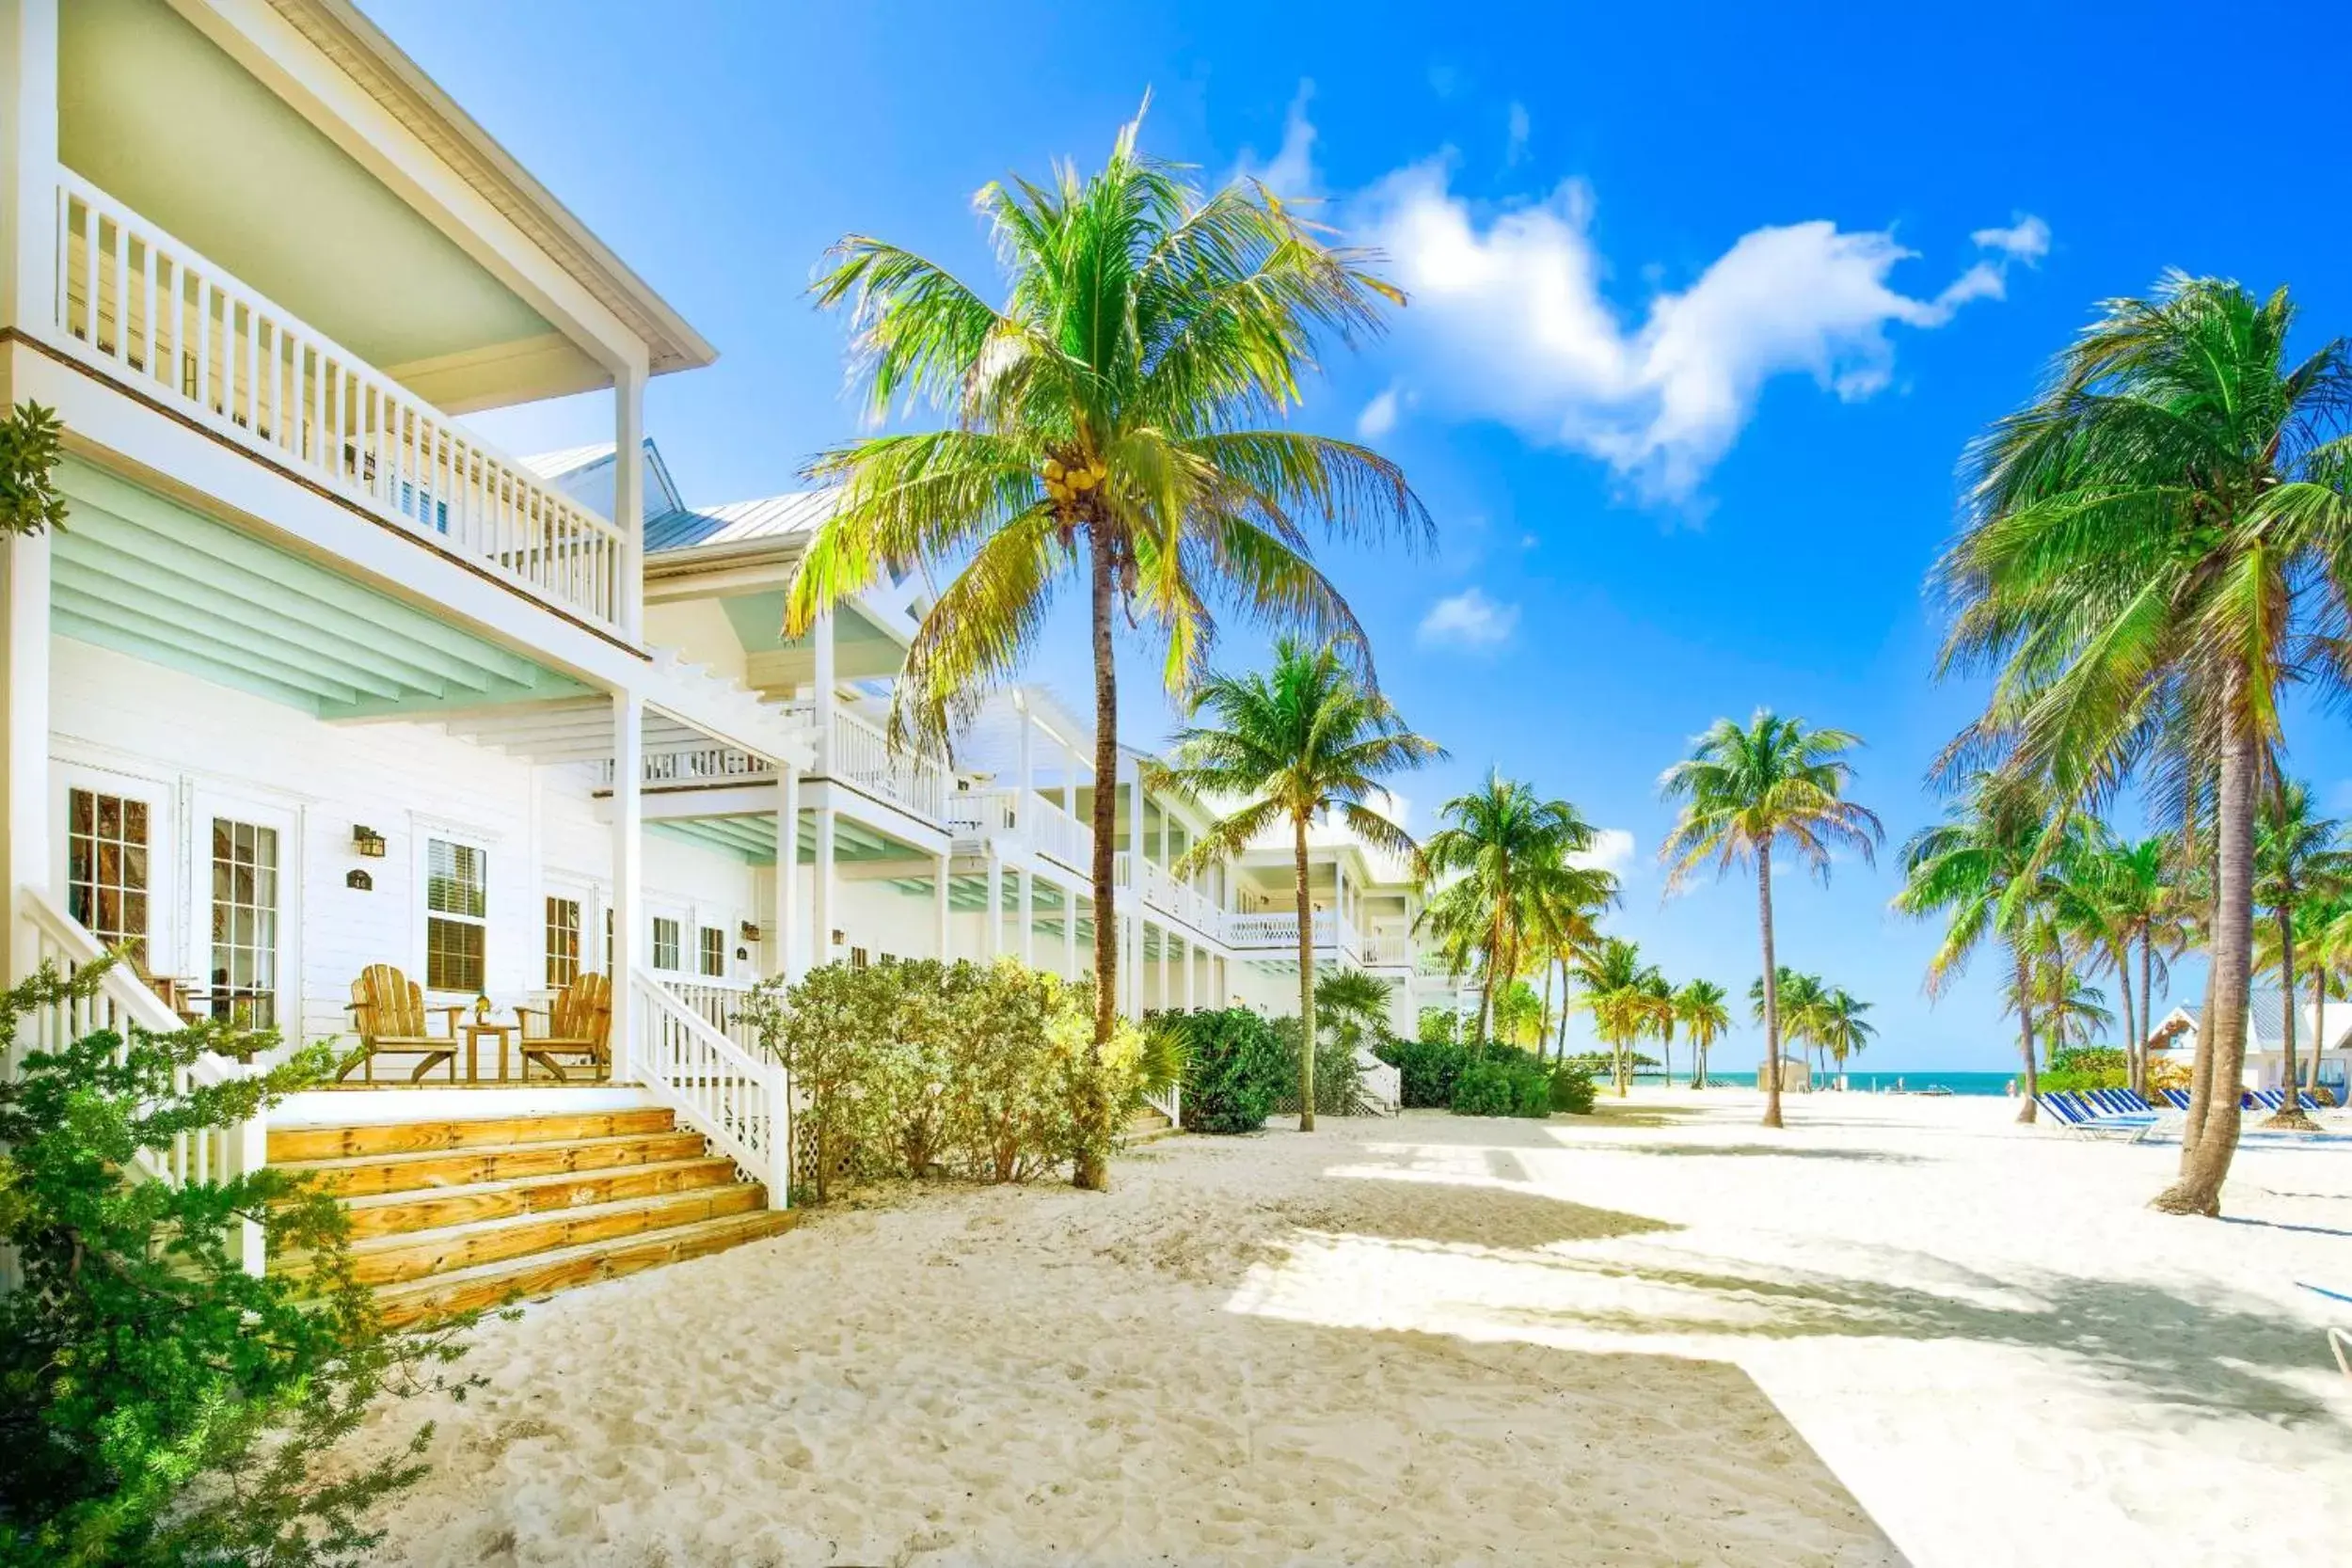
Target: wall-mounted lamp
368	841
359	882
837	936
749	932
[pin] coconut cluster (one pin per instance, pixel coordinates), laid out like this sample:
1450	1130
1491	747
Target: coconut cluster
1065	484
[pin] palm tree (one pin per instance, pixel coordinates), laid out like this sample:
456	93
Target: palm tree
1514	880
1984	869
1104	426
1352	1006
1661	993
1520	1014
2129	899
1743	790
2155	547
1302	740
1699	1005
1843	1031
2300	861
1800	999
1618	990
2069	1009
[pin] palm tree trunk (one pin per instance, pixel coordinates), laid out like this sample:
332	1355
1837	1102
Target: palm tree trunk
2200	1081
2290	1108
2024	961
2123	985
1306	981
2207	1166
1091	1170
1541	1032
1772	986
2147	1008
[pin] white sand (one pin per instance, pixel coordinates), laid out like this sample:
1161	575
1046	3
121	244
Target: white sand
1900	1330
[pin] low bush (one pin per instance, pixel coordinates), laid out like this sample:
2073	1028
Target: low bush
1571	1089
921	1068
1339	1081
1234	1067
2074	1081
1426	1071
159	1405
1507	1083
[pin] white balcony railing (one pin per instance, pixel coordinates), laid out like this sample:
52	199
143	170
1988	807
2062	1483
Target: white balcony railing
1061	836
983	813
1165	894
702	764
1282	931
858	752
154	313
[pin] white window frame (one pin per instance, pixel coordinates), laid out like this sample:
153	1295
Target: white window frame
425	831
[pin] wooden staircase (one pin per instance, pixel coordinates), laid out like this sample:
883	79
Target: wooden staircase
448	1216
1150	1125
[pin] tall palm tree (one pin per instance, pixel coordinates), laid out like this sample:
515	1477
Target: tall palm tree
2155	547
1520	1014
1106	425
1743	790
1984	869
1842	1030
2299	860
2129	900
1507	876
1302	740
1699	1007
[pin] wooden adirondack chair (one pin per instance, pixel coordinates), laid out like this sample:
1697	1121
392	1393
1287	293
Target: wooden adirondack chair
389	1012
575	1027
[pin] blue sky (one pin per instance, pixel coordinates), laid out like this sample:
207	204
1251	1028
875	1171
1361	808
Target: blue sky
1707	303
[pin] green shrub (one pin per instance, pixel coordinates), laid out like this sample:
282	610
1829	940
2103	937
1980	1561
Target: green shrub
922	1068
1426	1070
1233	1068
2090	1059
2072	1080
1571	1089
160	1406
1339	1081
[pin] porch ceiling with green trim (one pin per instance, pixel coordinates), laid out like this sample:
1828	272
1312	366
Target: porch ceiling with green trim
753	837
147	575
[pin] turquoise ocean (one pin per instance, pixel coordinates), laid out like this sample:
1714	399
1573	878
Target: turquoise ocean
1885	1082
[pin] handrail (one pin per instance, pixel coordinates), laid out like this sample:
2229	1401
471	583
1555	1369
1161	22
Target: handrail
154	311
721	1004
858	750
120	1003
739	1103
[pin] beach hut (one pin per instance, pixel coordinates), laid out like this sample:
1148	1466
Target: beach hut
1796	1075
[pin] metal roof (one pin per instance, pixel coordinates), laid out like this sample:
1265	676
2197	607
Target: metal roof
570	460
739	522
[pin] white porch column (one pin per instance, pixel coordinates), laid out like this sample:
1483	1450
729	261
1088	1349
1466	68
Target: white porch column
1029	917
628	874
629	493
1168	941
1134	897
23	741
1192	969
1069	930
820	636
993	943
788	871
28	164
820	952
940	879
1027	772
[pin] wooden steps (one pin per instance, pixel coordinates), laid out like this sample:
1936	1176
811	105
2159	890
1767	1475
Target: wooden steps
1148	1126
452	1215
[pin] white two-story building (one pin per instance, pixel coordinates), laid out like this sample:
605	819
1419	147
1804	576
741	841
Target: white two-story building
316	680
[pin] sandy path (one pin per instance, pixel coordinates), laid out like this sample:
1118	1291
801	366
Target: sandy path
1657	1336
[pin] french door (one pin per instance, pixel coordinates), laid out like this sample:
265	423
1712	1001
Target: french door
245	910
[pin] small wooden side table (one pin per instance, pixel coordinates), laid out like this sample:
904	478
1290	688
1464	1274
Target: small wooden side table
474	1033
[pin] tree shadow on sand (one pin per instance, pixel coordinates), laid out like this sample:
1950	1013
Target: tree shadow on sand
2205	1351
1742	1152
1459	1215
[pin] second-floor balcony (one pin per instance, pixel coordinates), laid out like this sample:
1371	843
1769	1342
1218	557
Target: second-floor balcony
182	332
978	814
857	751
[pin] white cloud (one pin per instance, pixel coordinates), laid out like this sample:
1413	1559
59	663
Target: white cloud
1292	174
1468	620
2027	239
1378	417
1612	851
1509	321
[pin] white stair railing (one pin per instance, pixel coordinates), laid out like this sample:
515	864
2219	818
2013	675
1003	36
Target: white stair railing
1168	1101
740	1102
121	1002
